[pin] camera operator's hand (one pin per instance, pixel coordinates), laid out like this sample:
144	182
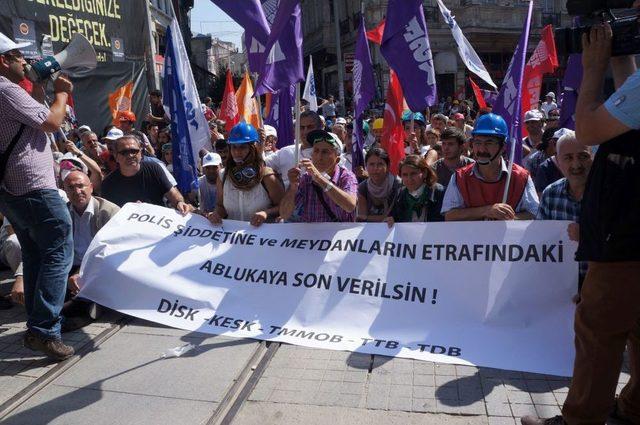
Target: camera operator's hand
596	48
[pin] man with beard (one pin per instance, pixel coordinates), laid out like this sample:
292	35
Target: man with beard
475	192
452	158
561	200
29	198
137	180
207	188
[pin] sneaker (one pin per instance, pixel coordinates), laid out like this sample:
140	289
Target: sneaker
532	420
53	348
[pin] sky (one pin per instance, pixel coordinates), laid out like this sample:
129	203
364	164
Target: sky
207	18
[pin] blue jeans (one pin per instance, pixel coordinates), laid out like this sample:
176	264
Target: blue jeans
42	223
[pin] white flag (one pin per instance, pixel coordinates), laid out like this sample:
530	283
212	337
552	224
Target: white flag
467	54
310	88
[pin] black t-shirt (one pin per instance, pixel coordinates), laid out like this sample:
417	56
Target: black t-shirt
148	185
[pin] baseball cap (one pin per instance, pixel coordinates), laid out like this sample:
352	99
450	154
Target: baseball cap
211	158
533	115
114	134
270	131
83	128
126	116
341	120
75	163
458	116
551	94
561	132
6	44
317	136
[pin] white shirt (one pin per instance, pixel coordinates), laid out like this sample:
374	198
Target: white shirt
548	107
81	231
285	159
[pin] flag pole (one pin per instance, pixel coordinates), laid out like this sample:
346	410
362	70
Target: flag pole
516	121
297	127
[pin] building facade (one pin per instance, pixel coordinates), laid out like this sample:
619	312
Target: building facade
493	27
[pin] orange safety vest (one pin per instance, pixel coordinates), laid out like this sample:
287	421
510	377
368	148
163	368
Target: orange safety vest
478	193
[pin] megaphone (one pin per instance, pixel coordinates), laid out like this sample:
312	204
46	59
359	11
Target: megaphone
77	59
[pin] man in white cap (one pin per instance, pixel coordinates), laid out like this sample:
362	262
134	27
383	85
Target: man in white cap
29	198
534	123
549	104
270	140
207	188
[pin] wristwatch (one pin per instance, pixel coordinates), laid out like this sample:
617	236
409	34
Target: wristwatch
328	187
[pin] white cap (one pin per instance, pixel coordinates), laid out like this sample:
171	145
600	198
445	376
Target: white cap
337	139
551	94
533	115
6	44
341	120
75	160
211	158
562	132
269	130
114	134
84	128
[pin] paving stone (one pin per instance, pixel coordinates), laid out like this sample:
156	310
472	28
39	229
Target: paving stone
401	391
495	420
546	411
520	410
400	403
544	398
424	404
498	409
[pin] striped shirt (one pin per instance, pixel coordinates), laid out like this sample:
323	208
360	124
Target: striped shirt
30	166
558	204
309	208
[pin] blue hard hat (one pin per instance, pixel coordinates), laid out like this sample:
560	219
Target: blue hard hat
417	116
491	125
243	133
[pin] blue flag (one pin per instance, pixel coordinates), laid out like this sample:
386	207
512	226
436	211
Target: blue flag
189	129
282	64
250	16
405	46
281	117
509	102
363	91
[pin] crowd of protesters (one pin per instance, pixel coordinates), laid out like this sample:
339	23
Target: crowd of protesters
455	168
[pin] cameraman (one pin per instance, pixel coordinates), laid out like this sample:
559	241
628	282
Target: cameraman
608	315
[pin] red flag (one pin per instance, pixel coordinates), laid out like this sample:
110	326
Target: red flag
393	131
479	97
375	34
543	60
229	107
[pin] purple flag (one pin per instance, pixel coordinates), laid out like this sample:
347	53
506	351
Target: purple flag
363	92
571	84
250	16
489	96
281	116
405	46
508	103
282	63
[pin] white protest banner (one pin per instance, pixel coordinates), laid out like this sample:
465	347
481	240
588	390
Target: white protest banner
494	294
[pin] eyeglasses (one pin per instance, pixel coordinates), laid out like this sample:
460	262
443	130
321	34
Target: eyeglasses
129	152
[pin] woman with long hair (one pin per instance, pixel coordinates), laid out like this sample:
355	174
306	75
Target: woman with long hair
421	198
378	193
248	190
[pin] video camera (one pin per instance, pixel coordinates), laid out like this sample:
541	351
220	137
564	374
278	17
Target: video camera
618	13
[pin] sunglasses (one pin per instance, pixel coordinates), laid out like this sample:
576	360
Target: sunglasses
129	152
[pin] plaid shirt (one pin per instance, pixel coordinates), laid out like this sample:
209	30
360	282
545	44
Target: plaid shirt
30	166
308	207
532	162
557	204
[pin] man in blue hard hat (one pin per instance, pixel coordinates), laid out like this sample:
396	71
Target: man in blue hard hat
475	192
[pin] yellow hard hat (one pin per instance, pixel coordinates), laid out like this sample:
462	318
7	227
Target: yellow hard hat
378	124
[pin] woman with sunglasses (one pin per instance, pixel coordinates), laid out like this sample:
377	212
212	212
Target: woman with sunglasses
248	190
